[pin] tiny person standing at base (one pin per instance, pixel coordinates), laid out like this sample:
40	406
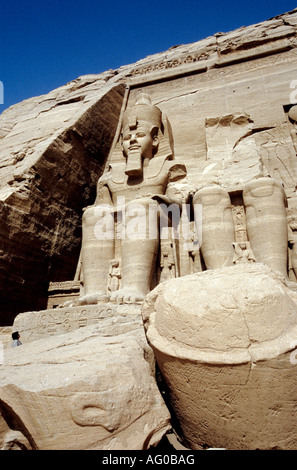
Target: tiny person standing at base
15	339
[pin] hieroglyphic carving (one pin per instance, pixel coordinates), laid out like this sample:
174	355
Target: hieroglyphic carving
225	69
61	292
64	286
277	155
224	135
53	322
171	63
239	218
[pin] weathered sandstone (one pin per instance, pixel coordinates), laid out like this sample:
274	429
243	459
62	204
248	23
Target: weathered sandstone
227	355
91	388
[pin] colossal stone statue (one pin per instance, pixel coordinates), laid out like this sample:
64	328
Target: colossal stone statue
124	221
266	224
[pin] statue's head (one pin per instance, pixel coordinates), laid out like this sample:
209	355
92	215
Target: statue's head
141	124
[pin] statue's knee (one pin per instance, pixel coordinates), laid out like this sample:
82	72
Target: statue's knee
88	214
263	188
94	215
140	207
212	196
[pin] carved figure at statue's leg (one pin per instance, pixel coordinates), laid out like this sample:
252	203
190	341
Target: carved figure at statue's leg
97	251
265	204
114	276
139	249
218	232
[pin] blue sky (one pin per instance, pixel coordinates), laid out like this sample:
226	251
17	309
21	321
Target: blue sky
47	43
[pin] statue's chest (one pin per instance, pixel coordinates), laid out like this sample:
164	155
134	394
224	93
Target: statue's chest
154	179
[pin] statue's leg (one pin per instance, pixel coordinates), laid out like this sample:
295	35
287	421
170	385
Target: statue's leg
139	249
265	205
218	232
97	251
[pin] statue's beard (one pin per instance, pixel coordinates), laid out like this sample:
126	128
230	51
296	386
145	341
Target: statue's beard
134	163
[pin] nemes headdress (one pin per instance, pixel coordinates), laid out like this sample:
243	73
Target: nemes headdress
143	110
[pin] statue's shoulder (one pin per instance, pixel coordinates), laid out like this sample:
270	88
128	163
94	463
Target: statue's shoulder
166	165
115	173
158	165
176	171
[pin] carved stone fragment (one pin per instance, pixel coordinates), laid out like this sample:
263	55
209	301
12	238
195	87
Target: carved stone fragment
230	370
90	388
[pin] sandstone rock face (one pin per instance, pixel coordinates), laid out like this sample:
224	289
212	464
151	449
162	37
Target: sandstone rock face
91	388
227	355
52	150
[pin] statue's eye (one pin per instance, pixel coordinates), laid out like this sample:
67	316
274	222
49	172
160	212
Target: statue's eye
140	134
127	137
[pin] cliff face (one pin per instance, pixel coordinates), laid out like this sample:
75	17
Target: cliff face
53	148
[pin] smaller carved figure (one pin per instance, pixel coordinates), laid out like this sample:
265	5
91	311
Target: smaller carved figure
243	253
114	276
293	118
167	262
194	254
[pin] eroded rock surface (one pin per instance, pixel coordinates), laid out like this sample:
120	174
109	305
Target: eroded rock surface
50	156
92	388
227	355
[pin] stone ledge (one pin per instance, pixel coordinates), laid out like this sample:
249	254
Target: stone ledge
53	322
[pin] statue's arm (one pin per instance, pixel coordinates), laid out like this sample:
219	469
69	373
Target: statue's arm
177	172
103	195
173	195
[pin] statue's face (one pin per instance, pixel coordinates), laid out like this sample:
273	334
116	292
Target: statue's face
139	140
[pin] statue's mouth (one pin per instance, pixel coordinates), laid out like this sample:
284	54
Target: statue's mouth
134	147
